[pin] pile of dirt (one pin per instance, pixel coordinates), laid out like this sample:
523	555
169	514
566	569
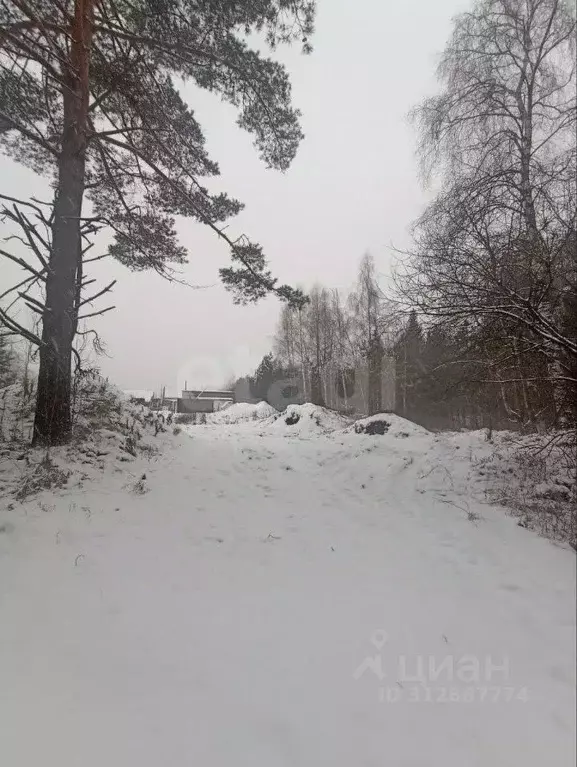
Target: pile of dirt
307	419
387	423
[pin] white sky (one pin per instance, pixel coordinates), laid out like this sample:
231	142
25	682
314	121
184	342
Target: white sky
352	188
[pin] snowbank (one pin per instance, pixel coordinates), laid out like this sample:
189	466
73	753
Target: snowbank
240	412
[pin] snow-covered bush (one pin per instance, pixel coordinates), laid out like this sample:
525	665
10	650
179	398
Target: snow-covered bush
17	403
43	476
535	477
185	418
108	432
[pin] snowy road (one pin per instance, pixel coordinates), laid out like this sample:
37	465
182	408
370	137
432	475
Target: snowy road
275	601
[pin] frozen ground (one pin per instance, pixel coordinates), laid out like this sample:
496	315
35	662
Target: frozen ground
275	597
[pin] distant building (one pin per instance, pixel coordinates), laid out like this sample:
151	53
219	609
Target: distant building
203	400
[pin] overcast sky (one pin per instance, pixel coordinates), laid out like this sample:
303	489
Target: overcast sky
352	188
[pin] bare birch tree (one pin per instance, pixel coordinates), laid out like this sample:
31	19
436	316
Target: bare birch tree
498	243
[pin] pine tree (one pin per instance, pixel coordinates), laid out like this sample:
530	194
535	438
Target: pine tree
8	360
89	98
409	366
263	377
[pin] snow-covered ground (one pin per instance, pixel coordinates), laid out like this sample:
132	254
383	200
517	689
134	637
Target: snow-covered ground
275	595
240	412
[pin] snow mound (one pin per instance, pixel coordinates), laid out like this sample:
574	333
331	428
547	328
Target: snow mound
388	423
307	419
240	412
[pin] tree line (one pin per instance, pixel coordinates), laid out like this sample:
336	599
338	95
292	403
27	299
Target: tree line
493	268
481	325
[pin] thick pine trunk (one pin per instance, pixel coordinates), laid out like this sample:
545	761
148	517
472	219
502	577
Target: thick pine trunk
53	418
53	421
